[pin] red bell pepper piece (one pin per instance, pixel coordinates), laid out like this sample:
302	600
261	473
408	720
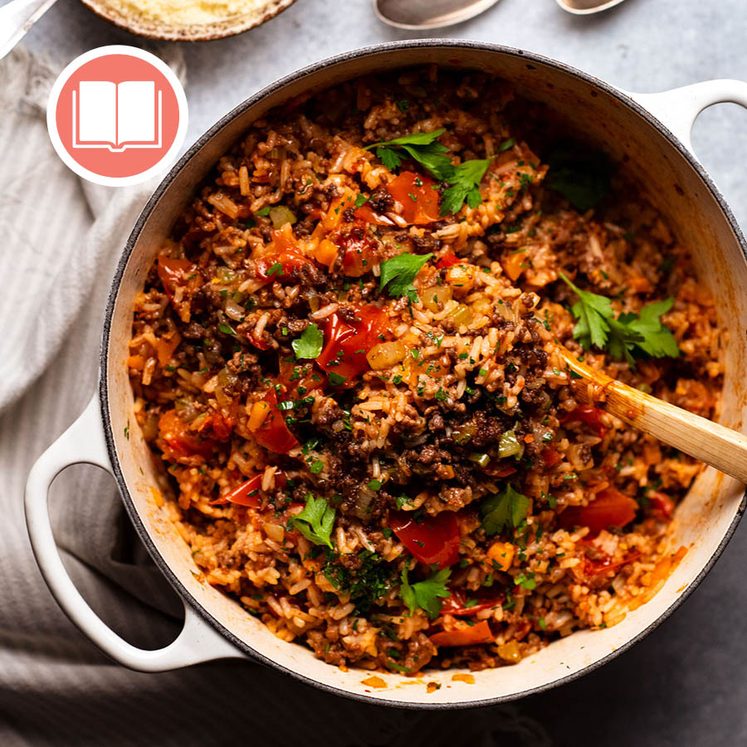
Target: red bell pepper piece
174	272
434	540
467	635
346	343
366	214
178	442
359	251
458	605
248	493
274	433
660	505
281	266
446	260
418	196
610	508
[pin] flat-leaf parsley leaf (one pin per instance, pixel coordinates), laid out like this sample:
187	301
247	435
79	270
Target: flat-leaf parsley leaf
316	521
503	511
580	175
465	185
425	594
309	344
628	334
424	148
398	273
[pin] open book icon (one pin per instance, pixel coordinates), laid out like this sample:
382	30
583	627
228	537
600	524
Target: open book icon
117	116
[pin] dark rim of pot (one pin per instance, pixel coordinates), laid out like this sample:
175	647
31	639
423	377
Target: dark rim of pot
375	50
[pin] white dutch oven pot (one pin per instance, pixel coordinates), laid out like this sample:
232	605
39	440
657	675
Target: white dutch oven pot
650	135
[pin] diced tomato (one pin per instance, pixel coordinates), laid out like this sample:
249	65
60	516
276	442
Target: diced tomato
346	343
418	196
179	443
299	377
610	508
217	426
366	214
604	566
274	433
660	505
283	240
359	251
448	259
550	457
248	493
464	635
283	266
174	272
589	415
458	604
434	540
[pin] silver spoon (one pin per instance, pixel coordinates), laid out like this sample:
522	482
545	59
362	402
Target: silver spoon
587	7
16	18
428	14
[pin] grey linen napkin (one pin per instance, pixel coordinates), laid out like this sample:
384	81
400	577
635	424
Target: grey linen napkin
59	241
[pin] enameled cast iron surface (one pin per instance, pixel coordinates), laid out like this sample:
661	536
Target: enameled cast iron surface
675	183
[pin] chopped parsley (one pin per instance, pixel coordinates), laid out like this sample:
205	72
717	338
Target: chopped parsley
504	511
526	581
226	329
624	336
427	594
264	212
402	501
309	344
360	200
335	379
275	269
365	584
316	521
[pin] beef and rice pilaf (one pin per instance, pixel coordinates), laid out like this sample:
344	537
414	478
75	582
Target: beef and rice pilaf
346	357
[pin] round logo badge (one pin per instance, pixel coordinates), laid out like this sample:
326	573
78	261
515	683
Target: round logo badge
117	115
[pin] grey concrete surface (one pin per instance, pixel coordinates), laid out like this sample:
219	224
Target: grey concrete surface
685	684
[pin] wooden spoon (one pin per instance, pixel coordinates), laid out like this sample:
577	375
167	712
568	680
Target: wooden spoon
709	442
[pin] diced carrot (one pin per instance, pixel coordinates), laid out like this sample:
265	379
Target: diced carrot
502	554
514	264
260	411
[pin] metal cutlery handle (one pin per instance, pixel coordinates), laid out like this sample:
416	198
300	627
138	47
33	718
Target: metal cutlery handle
16	18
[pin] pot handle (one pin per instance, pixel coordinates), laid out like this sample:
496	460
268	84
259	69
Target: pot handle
679	108
84	443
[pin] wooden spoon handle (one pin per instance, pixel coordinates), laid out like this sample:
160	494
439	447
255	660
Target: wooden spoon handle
709	442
